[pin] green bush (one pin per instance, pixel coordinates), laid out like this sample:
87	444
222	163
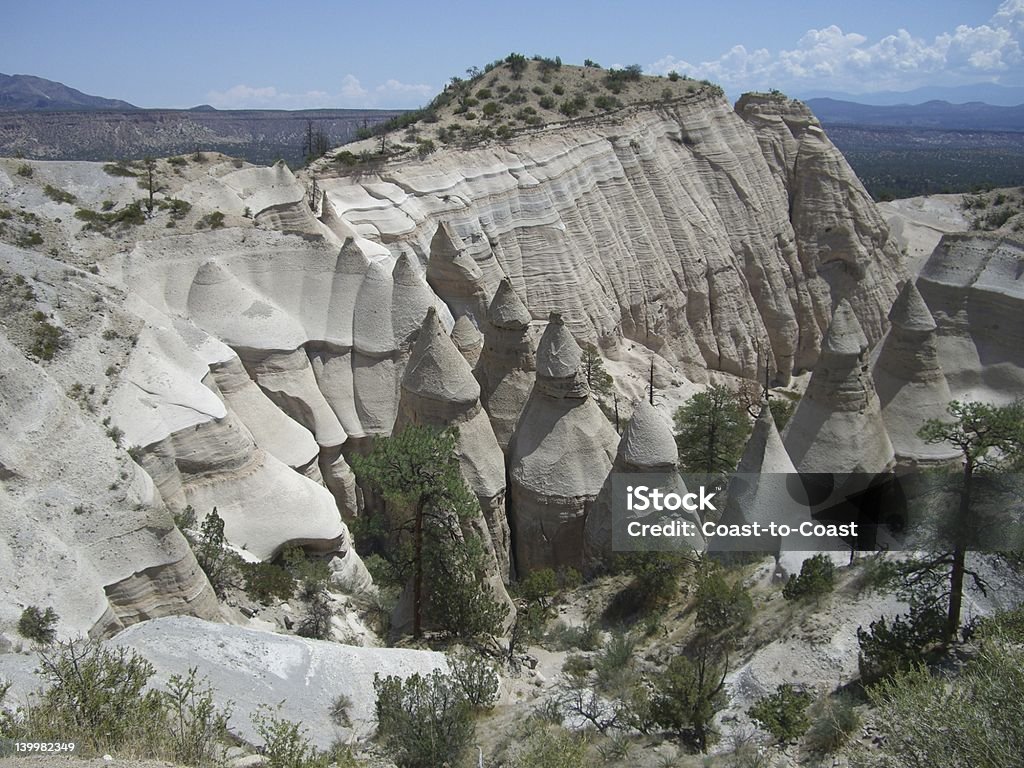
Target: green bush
899	645
285	744
817	578
96	696
48	339
423	721
58	195
687	696
119	169
719	606
552	747
25	170
197	728
783	714
833	721
213	220
673	76
478	680
317	621
38	625
266	581
974	719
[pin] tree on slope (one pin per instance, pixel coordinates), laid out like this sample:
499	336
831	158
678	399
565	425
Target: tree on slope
430	536
711	431
990	440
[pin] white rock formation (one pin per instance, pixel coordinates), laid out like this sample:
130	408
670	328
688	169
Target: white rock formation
82	529
974	287
508	361
438	389
647	446
559	458
837	426
250	667
909	380
669	226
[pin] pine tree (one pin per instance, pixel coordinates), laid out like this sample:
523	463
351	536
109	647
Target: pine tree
430	536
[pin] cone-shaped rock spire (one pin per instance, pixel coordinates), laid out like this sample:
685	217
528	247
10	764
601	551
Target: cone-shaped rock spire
559	458
909	379
468	339
837	427
507	366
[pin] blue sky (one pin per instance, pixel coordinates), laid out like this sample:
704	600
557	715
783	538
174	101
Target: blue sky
398	54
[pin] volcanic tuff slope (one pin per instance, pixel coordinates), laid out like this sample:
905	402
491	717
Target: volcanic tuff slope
263	352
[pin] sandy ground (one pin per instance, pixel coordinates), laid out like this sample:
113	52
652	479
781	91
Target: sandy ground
920	222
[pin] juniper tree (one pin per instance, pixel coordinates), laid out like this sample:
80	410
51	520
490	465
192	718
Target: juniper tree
429	534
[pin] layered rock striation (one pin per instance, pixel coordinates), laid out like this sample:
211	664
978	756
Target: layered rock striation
507	365
704	233
974	286
559	457
837	427
647	447
910	382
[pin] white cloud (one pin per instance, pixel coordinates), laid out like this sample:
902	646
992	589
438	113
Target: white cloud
832	58
351	93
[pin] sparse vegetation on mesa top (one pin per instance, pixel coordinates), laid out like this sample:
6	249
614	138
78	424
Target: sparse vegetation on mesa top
515	94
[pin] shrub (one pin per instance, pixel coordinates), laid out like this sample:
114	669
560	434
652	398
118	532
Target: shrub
477	679
284	743
687	696
58	195
816	579
265	581
834	721
783	714
673	76
890	647
198	729
177	161
119	169
25	170
317	621
423	721
38	625
546	102
719	606
48	339
213	220
96	696
552	747
975	719
490	109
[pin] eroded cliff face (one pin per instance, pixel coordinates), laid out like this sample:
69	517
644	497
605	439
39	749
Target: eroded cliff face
267	350
704	233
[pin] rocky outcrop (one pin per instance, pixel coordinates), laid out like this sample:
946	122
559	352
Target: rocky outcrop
438	389
909	380
763	490
82	528
670	226
468	339
974	287
836	226
837	426
647	447
559	457
508	361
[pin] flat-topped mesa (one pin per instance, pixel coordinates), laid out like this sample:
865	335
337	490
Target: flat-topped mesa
507	366
909	380
837	426
648	447
438	389
454	275
559	458
468	339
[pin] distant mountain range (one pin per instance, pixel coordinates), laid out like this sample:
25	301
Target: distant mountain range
988	93
28	93
936	115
